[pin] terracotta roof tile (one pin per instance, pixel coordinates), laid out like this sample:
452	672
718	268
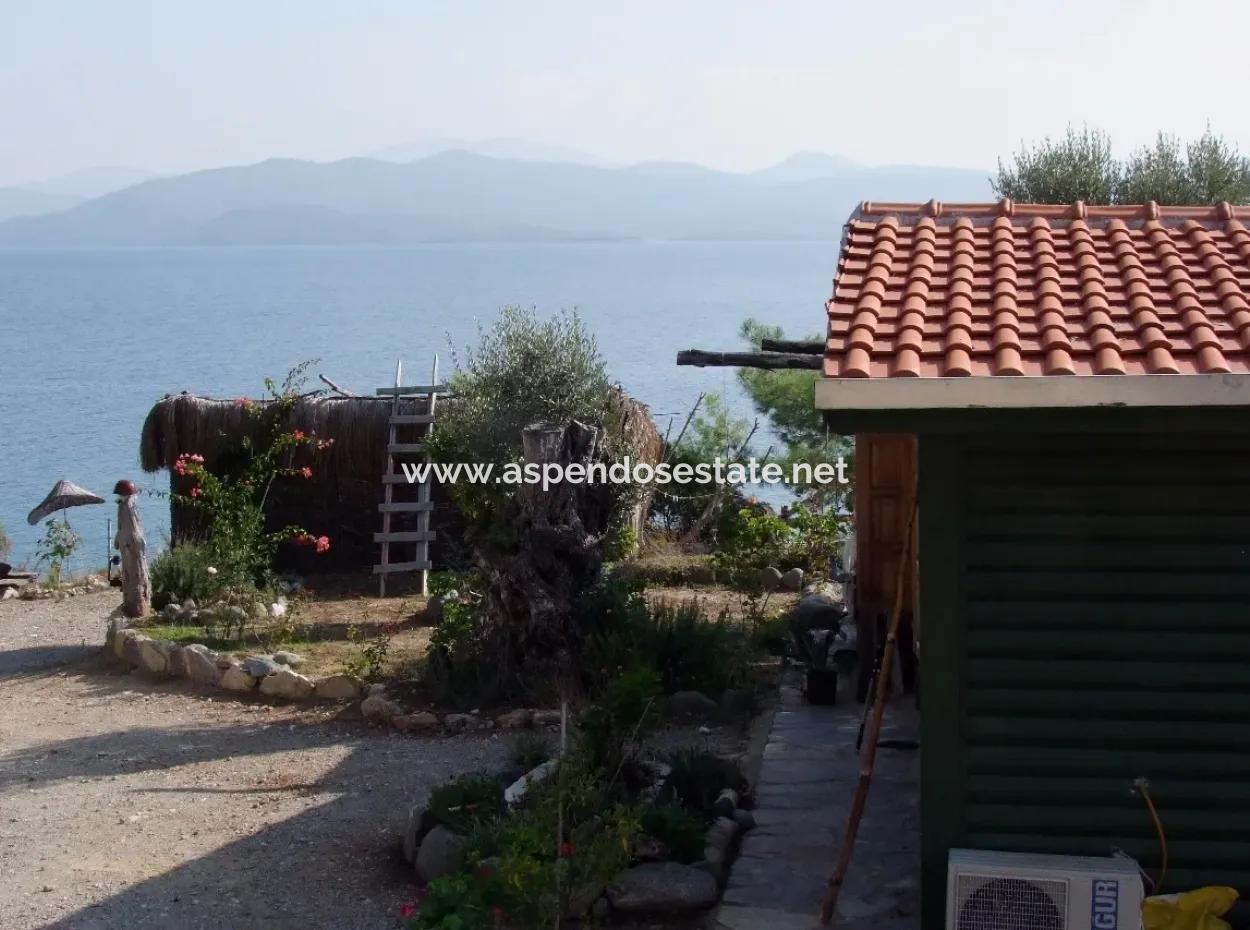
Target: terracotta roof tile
959	290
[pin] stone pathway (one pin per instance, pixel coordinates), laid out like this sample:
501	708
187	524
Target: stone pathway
802	799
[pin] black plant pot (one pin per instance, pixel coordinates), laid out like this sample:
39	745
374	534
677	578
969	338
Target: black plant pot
822	685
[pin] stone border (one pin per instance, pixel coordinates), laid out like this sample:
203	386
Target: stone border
261	676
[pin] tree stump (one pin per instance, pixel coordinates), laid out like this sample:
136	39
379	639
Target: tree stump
553	553
136	585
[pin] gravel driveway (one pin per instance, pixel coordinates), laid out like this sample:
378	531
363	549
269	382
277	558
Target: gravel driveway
130	804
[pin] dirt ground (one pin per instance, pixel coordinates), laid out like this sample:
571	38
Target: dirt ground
128	803
125	803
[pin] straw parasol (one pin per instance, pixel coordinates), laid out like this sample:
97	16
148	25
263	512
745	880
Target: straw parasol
64	494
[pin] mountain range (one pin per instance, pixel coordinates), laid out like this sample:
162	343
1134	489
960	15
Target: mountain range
459	195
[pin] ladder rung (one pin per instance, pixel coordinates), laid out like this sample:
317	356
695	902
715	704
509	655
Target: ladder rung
402	418
405	390
414	536
406	507
405	447
403	479
402	567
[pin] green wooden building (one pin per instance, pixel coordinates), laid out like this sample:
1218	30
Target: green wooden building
1077	381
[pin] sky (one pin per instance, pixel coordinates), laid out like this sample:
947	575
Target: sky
173	86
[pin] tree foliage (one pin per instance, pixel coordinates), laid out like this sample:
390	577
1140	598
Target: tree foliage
1078	166
524	370
1082	166
785	398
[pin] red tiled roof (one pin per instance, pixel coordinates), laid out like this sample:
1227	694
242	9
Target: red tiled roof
952	290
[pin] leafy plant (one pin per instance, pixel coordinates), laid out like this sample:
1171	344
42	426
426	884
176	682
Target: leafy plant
679	829
529	749
676	643
467	800
57	545
456	902
698	776
806	539
628	711
239	545
181	572
369	662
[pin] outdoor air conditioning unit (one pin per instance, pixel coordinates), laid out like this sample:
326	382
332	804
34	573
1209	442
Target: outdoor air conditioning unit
1019	891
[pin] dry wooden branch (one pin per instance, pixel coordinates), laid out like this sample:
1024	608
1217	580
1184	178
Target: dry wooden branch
868	757
136	585
334	387
801	346
703	359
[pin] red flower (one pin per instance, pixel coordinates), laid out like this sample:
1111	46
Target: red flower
195	491
297	434
323	543
180	466
566	850
241	401
499	914
306	471
408	909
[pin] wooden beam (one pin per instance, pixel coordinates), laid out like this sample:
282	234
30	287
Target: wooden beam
800	346
701	359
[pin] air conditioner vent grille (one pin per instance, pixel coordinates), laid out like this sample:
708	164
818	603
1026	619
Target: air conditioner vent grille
996	903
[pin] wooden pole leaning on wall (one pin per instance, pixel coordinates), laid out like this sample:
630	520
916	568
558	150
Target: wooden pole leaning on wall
868	756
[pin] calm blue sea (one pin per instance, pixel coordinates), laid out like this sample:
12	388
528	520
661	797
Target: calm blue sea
89	340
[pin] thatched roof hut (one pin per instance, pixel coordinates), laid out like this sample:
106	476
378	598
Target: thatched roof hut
341	498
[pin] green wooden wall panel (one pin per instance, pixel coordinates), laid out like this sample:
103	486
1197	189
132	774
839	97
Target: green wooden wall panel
1088	598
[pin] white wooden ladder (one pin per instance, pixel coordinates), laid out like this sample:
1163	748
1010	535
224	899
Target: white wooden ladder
423	506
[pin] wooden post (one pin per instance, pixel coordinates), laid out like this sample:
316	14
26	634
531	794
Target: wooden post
136	586
868	756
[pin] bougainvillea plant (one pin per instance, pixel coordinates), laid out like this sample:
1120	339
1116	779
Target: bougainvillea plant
239	545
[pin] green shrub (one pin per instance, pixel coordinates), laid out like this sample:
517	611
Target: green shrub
757	538
669	571
679	829
677	641
458	902
181	572
628	711
529	749
461	668
698	776
467	800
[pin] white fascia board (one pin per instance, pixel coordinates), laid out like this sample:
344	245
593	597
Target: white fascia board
1007	392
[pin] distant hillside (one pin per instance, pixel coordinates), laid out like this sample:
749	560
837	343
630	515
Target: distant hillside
91	182
458	195
21	201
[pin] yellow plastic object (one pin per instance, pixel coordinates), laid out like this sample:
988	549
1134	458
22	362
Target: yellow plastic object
1193	910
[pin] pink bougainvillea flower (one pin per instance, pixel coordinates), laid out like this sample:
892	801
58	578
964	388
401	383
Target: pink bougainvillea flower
196	492
241	401
306	471
196	458
323	543
180	466
297	434
408	909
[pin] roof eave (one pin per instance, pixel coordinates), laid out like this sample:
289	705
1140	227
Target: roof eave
1040	392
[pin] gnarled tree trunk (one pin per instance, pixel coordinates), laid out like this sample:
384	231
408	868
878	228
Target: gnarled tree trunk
553	554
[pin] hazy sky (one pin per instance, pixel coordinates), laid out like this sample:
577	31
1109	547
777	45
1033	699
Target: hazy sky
171	86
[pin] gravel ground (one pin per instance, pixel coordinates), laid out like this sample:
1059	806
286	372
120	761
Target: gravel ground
130	804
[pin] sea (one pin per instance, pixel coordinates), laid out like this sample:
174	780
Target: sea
90	339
